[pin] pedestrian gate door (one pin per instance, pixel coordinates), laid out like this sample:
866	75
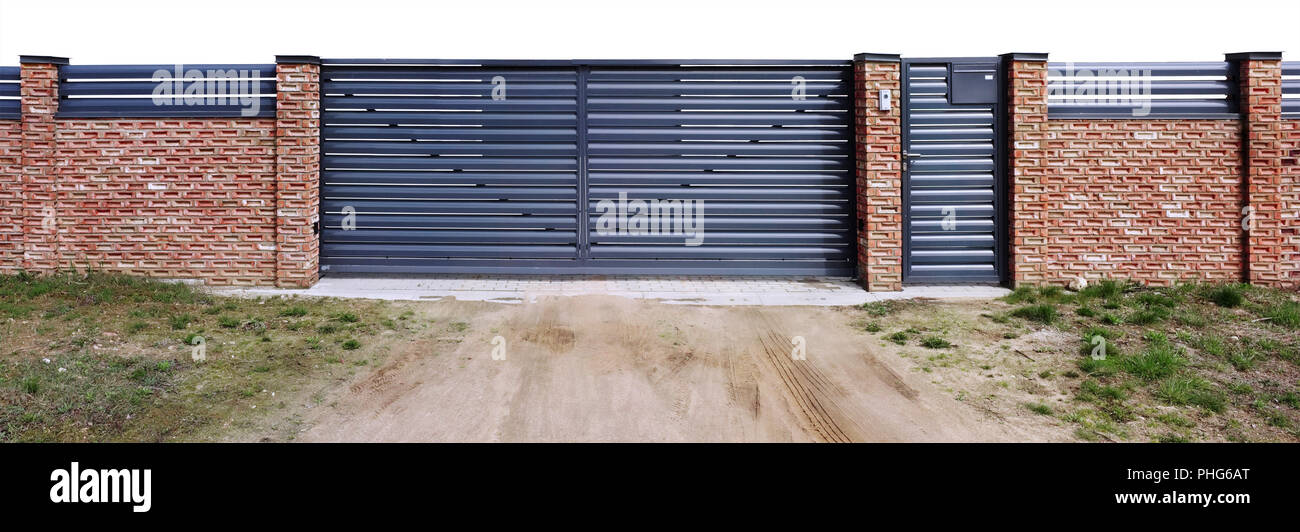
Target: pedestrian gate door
542	166
952	190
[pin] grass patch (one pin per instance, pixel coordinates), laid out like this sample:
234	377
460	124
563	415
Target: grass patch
1286	314
1157	362
881	309
899	337
295	311
143	385
1227	296
936	342
1039	408
1181	391
1042	313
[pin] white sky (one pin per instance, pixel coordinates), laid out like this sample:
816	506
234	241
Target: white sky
243	31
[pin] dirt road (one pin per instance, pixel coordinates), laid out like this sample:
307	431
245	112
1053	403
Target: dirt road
608	369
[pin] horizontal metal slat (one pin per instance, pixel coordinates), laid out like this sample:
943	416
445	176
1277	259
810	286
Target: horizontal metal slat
701	88
923	257
924	181
497	251
423	103
961	210
420	221
1202	69
448	163
951	196
341	177
10	73
716	148
721	193
952	148
764	223
927	71
720	75
953	241
706	251
735	134
953	164
713	236
10	90
968	134
341	192
1104	88
148	88
401	237
715	104
978	118
453	118
149	71
393	207
717	163
718	119
453	74
437	148
452	133
718	178
523	87
959	225
765	208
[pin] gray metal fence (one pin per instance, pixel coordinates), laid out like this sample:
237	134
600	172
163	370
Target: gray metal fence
124	91
1142	90
10	105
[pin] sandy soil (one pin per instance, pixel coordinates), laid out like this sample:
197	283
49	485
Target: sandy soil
611	369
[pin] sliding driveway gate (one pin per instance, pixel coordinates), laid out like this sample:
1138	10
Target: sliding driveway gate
508	166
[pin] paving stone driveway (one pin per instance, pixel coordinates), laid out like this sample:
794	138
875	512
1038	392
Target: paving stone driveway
700	290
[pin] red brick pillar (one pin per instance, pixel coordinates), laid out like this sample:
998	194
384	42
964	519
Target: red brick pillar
39	91
297	170
878	148
1260	102
1026	168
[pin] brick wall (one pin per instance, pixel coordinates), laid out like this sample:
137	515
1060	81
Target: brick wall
11	197
228	201
878	147
177	198
1151	200
1290	198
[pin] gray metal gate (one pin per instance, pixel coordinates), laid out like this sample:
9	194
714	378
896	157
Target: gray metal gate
953	183
502	166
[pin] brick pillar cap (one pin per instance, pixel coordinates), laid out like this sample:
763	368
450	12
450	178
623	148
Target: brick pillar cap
1024	56
42	59
877	58
297	59
1253	56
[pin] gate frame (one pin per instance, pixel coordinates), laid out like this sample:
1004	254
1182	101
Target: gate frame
1001	147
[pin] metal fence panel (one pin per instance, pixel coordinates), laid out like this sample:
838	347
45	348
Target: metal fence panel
184	91
1142	90
10	104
